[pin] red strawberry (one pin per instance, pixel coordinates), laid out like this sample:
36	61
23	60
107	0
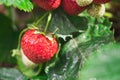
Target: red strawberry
100	1
37	48
71	7
48	4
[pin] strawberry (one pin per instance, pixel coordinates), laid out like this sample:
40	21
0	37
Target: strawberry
100	1
48	4
84	2
37	48
96	10
71	7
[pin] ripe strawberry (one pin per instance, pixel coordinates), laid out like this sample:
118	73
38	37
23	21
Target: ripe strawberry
48	4
71	7
100	1
37	48
97	10
84	2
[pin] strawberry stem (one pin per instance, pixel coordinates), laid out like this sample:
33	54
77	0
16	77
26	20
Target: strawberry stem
41	18
55	30
12	15
21	33
48	21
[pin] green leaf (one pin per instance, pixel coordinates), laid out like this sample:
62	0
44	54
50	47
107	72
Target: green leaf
103	64
8	40
66	68
75	52
25	5
79	22
10	74
67	24
40	77
62	23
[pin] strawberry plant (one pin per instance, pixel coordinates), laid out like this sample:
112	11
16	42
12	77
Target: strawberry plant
59	40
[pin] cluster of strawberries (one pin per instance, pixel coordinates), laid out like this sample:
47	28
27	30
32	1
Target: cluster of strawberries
74	7
37	48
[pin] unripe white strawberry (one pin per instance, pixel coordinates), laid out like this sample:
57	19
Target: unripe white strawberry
84	2
97	10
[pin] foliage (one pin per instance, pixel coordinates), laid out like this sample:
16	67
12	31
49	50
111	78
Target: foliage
25	5
103	64
86	47
8	39
10	74
75	51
